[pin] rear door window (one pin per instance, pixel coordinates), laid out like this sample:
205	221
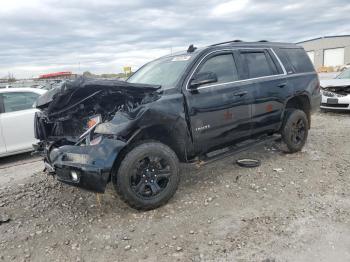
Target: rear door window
298	59
258	64
17	101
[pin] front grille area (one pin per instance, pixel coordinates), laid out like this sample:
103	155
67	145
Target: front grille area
335	105
331	94
339	90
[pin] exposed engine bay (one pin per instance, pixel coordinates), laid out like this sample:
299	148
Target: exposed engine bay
339	90
68	111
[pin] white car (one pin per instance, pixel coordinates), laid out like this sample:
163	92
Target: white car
17	119
336	92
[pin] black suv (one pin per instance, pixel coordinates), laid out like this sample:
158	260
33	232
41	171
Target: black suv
197	105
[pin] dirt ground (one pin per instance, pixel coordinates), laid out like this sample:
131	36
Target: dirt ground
294	207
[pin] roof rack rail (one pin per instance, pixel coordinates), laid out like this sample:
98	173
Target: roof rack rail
262	41
227	42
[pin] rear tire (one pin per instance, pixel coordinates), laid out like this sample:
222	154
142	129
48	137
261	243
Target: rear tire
148	176
295	130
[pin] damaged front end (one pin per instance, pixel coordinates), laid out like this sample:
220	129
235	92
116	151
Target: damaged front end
84	124
336	91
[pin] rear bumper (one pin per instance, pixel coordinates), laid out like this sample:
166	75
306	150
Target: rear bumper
87	167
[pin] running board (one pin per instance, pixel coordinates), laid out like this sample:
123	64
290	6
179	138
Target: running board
235	149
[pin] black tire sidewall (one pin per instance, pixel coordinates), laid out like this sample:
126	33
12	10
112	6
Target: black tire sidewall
253	163
121	179
293	115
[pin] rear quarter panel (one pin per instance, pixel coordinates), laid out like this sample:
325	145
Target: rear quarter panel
301	83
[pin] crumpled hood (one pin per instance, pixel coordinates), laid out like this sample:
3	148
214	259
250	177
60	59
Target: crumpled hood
65	111
73	92
336	82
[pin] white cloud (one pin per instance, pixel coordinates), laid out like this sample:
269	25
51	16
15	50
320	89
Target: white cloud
42	36
8	6
230	7
293	6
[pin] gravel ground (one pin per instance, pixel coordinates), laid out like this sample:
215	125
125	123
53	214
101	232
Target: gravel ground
18	168
294	207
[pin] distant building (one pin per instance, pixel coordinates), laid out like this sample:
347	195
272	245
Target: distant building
58	75
328	51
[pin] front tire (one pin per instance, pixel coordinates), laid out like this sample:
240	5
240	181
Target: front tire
148	176
295	130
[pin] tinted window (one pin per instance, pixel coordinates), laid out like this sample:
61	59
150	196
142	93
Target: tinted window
259	64
223	66
299	60
17	101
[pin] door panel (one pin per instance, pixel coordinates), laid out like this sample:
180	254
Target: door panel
2	142
219	112
268	104
218	116
18	129
17	120
266	81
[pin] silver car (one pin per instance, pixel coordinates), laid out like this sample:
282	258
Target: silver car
336	92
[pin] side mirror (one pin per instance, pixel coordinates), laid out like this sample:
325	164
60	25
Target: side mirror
202	79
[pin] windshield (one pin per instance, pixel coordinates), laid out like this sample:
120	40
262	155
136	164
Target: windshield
344	75
165	71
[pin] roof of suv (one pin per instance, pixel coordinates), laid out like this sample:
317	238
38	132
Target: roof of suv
261	44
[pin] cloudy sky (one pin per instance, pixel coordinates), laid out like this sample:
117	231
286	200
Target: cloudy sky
101	36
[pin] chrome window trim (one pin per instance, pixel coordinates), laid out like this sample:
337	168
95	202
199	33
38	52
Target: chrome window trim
242	80
279	61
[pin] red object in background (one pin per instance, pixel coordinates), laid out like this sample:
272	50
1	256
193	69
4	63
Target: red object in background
57	74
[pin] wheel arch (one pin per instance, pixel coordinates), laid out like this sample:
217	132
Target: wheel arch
160	133
302	102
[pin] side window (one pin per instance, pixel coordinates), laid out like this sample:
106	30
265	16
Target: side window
299	60
223	66
259	64
17	101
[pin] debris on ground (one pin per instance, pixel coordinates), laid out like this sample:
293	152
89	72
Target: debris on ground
4	219
247	162
264	215
278	170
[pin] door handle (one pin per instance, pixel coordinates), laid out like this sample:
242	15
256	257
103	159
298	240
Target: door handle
243	93
281	85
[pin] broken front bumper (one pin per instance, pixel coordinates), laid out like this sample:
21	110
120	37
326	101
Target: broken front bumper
332	101
87	167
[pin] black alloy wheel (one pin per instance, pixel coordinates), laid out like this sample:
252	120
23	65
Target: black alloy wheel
298	131
295	129
151	177
148	175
